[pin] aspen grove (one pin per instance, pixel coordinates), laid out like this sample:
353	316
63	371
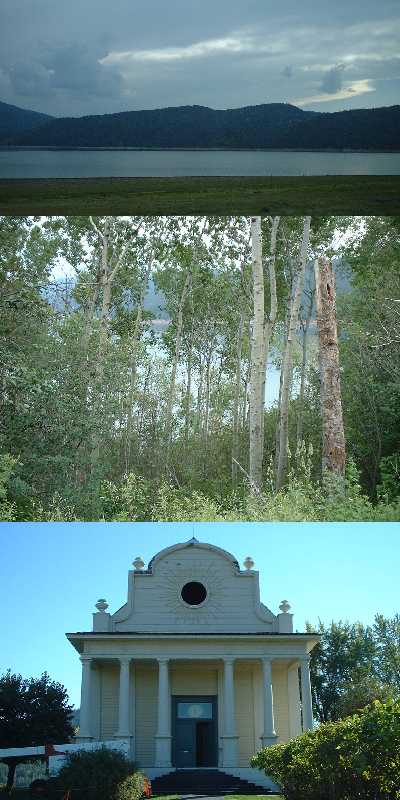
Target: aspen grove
199	368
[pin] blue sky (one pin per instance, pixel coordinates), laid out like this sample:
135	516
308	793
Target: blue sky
52	574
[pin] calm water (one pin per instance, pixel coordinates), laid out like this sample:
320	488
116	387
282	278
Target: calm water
161	163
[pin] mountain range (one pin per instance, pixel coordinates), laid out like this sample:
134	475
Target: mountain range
269	126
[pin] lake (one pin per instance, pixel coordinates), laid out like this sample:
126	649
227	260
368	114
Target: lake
180	163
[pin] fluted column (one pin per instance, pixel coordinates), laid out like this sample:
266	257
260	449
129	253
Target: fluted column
269	734
85	720
163	735
124	698
229	737
306	698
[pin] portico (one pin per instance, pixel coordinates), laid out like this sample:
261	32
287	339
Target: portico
197	684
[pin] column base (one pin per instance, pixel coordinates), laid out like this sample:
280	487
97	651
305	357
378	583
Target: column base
268	741
163	751
229	751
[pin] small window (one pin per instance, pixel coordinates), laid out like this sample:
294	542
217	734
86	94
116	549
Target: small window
195	711
194	593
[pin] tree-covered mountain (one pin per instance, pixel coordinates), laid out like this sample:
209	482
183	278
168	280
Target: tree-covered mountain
274	126
16	121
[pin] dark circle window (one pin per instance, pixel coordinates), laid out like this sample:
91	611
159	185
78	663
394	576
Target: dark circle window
194	593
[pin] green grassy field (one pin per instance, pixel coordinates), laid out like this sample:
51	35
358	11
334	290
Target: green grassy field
317	195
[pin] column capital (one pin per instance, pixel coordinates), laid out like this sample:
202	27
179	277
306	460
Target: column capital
163	659
229	659
124	659
267	659
305	659
86	658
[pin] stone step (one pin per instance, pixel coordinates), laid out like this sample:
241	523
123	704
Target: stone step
209	782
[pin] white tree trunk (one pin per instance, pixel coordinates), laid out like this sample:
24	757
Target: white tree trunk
300	413
172	386
287	363
269	323
333	440
257	359
236	399
134	350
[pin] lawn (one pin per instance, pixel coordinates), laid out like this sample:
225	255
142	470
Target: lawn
343	194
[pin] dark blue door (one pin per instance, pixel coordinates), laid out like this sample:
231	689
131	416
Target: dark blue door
194	731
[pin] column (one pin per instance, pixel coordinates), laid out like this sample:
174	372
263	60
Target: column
306	699
163	735
85	727
269	734
124	699
229	737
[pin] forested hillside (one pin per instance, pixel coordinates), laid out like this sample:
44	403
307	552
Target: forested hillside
107	415
273	125
16	121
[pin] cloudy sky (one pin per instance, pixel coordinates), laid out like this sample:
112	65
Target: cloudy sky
80	57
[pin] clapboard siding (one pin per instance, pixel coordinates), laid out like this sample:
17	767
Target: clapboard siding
193	679
281	702
244	708
146	680
109	691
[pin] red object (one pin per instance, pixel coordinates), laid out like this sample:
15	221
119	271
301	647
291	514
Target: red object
49	751
147	792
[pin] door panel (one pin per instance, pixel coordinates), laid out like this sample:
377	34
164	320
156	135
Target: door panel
185	743
194	730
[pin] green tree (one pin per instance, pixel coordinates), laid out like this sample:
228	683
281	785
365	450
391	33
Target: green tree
33	711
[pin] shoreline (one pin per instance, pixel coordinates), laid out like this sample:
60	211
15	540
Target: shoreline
66	149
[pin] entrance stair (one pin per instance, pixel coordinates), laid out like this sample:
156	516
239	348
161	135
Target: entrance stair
204	782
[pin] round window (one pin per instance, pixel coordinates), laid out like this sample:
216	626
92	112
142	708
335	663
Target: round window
194	593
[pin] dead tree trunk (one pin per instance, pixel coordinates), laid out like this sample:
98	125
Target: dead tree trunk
333	441
287	363
257	359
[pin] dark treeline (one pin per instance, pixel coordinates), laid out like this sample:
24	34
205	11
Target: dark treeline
273	125
112	409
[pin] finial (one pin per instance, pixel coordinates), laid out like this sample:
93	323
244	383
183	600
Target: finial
284	606
138	563
248	563
102	605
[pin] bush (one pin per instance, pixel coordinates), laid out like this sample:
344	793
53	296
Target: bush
96	774
357	757
132	787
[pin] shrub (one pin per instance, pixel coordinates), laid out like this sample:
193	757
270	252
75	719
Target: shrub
96	774
357	757
132	787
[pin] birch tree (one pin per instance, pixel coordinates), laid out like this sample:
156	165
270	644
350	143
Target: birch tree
172	386
257	359
111	260
305	326
287	363
333	440
134	352
270	320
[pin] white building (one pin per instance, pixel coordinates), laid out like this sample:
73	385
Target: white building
194	671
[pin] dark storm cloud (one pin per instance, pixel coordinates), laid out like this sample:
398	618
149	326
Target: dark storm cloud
88	56
287	71
332	81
